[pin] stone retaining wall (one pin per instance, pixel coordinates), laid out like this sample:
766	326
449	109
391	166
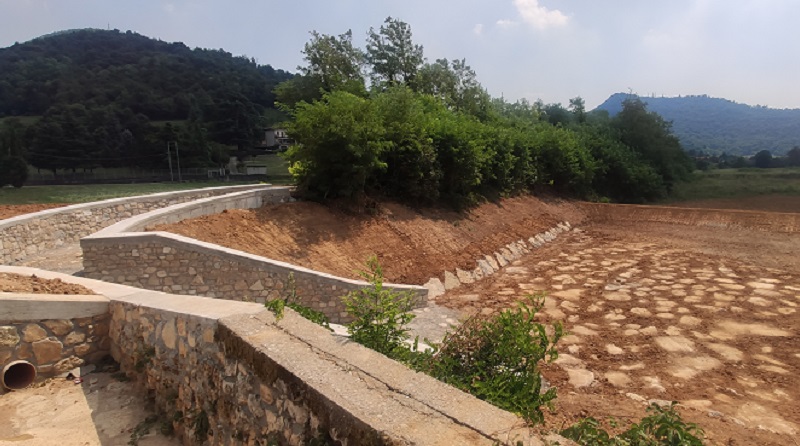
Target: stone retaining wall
54	333
29	234
224	372
172	263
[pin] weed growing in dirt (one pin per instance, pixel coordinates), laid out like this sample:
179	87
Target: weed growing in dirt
290	300
496	358
380	314
663	427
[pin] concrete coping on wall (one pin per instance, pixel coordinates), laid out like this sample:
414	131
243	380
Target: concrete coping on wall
117	201
247	199
130	229
32	307
345	380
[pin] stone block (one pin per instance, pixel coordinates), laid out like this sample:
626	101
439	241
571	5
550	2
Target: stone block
74	338
8	336
68	364
33	332
464	276
451	281
435	287
47	350
485	267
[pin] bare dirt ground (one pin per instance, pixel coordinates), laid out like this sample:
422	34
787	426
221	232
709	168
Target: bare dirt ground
767	203
12	210
411	246
98	411
655	311
37	285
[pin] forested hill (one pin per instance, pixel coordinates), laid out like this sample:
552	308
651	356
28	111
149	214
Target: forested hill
98	67
98	98
715	125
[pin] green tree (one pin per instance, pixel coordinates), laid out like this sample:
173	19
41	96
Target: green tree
335	62
393	56
763	159
793	156
340	144
578	108
651	136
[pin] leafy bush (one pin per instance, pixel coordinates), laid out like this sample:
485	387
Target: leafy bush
289	300
496	358
380	314
13	171
663	427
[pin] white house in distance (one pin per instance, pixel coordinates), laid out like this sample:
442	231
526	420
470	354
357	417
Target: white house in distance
276	140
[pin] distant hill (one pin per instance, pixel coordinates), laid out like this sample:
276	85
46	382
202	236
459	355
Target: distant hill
93	98
715	125
159	80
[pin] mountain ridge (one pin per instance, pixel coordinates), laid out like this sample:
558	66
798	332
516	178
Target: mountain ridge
715	125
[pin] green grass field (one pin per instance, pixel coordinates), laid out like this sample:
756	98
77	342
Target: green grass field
92	192
732	183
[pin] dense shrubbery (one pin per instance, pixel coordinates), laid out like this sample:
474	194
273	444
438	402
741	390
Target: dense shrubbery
425	133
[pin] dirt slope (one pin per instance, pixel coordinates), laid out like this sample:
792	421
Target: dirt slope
411	246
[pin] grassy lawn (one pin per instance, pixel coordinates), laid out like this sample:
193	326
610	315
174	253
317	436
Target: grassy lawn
731	183
277	173
92	192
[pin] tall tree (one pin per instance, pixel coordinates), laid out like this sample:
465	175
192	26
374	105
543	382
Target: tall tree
335	62
394	57
578	108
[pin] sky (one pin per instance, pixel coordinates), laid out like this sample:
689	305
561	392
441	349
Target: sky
744	50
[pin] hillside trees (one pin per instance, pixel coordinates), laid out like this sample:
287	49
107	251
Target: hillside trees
13	168
650	136
98	95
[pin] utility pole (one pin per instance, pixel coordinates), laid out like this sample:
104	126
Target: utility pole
178	157
169	159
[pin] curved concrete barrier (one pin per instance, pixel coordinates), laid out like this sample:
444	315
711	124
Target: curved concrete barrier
167	262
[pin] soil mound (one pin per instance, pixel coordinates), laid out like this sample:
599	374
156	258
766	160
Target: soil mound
37	285
412	245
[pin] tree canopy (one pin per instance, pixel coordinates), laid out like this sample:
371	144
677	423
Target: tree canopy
429	132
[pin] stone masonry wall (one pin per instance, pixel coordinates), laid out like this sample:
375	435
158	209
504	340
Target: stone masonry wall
30	234
175	264
55	346
247	380
180	265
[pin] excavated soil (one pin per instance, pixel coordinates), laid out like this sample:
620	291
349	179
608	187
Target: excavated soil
37	285
412	246
766	203
12	210
700	313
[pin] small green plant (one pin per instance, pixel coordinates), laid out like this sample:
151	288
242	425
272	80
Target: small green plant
142	429
496	358
201	426
380	314
289	299
663	427
143	357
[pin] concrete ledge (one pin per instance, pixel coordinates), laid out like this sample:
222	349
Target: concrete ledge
167	262
29	234
290	380
33	307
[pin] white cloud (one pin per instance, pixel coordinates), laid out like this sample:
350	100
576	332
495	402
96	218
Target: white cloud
478	29
169	7
539	16
504	23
